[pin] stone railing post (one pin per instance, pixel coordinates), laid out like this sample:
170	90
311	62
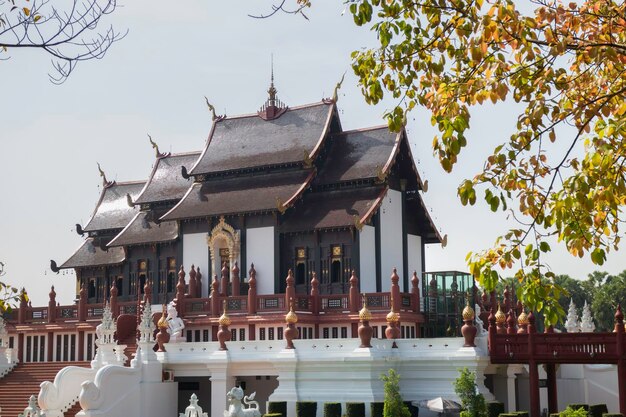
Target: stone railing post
290	291
82	303
235	280
22	313
198	282
147	292
354	293
224	283
252	290
193	284
415	292
315	294
115	310
215	297
180	292
395	292
52	306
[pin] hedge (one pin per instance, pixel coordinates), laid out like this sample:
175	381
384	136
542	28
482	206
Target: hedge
278	407
332	409
521	413
577	406
612	415
555	414
357	410
273	415
415	410
376	409
306	408
495	408
596	410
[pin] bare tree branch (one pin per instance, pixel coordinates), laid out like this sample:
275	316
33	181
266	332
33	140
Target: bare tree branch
68	36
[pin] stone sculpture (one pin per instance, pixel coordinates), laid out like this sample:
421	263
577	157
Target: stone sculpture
193	410
235	407
572	325
175	324
586	321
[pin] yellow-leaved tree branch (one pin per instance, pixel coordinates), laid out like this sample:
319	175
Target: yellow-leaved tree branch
563	63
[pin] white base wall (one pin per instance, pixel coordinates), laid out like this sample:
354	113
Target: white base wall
330	370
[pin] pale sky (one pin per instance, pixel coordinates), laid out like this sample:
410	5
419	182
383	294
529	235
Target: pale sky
153	81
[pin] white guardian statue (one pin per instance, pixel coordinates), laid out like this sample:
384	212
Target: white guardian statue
235	406
175	324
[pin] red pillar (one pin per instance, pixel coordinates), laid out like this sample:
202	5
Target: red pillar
535	406
50	345
82	303
621	362
224	283
553	405
81	346
215	298
415	292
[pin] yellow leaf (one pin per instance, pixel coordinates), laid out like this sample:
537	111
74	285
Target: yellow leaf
26	11
37	17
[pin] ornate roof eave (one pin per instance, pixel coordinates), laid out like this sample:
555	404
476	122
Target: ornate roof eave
155	167
86	229
363	220
56	268
306	184
420	184
325	132
113	242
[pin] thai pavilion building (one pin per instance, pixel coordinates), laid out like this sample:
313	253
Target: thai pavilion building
282	210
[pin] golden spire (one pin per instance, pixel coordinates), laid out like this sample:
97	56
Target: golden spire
162	323
392	316
272	90
522	319
291	317
500	316
364	314
224	319
468	311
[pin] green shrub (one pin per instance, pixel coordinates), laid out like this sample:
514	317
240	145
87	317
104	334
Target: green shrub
332	409
521	413
465	387
412	409
596	410
577	406
507	415
555	414
357	410
495	408
273	415
612	415
277	407
570	411
394	406
306	409
376	409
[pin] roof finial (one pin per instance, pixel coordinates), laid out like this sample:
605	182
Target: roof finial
211	108
272	90
155	146
103	175
337	87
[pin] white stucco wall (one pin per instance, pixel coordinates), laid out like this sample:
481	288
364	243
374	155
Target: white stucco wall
367	254
391	237
414	250
196	252
260	251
